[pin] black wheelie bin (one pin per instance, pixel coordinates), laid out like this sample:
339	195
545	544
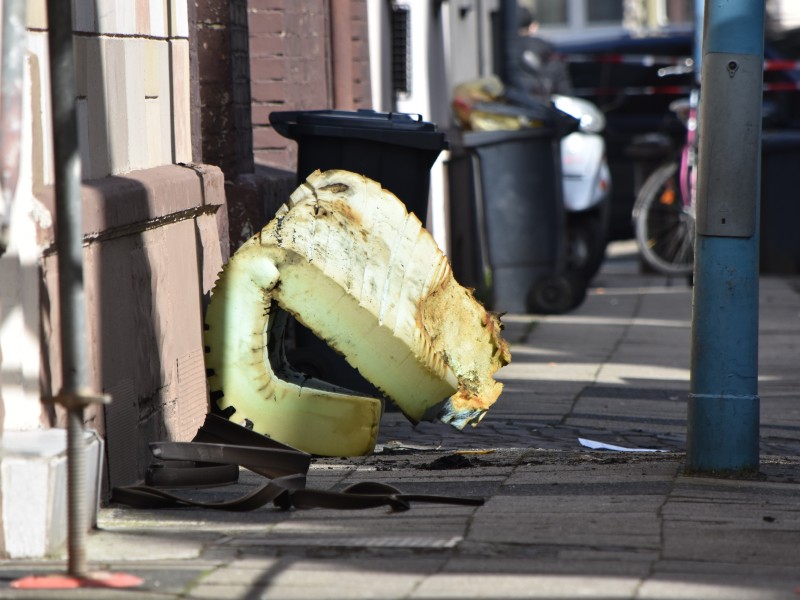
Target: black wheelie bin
395	149
779	245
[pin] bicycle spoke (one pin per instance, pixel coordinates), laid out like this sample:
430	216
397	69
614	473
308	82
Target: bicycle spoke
665	230
678	248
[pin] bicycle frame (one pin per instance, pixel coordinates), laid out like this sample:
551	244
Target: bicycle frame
688	163
664	224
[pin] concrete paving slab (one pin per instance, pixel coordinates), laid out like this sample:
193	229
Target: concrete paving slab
450	587
581	469
714	567
727	542
293	578
680	587
587	532
626	564
147	544
568	504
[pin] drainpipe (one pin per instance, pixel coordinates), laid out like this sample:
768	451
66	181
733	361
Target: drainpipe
75	394
342	49
723	412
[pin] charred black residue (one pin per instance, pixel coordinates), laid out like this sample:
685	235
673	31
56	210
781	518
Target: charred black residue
336	188
278	230
447	462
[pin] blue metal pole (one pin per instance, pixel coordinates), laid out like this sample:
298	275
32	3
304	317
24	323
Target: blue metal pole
697	49
723	412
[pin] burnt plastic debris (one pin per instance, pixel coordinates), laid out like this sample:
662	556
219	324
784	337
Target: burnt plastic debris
395	149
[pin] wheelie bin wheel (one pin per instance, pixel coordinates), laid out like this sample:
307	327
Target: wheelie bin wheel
551	295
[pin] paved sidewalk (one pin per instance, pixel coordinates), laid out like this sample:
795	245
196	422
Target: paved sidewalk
560	520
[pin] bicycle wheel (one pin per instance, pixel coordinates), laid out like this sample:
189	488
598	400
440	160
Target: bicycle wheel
664	223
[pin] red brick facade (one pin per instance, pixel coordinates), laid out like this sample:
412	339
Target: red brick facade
293	67
259	56
223	66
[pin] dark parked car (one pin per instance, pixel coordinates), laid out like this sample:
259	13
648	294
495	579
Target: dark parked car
620	74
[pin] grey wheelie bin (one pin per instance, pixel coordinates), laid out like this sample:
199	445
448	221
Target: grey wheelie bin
508	237
397	150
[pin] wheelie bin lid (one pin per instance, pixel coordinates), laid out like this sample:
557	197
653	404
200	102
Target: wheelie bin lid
526	117
400	129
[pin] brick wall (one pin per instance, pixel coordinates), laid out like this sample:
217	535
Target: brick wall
259	56
292	67
289	66
222	57
240	94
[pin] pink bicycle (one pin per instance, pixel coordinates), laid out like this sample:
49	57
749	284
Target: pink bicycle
664	211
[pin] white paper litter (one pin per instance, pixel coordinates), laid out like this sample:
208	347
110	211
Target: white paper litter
594	445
